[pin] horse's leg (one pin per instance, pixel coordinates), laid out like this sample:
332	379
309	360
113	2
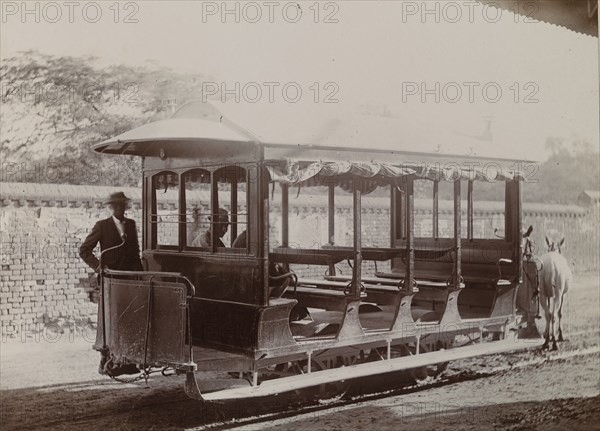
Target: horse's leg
554	310
544	302
562	301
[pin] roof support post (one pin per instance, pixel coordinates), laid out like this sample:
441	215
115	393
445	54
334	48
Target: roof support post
357	212
436	215
470	210
285	216
410	235
182	209
331	220
519	226
234	207
456	279
263	246
214	209
513	221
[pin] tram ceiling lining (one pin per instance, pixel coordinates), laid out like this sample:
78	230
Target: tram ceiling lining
183	148
320	173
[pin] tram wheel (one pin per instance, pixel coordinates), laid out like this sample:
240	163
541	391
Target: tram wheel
420	374
336	390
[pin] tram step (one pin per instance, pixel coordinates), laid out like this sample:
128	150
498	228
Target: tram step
213	385
282	385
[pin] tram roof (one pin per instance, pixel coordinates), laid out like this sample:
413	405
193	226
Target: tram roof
580	16
198	127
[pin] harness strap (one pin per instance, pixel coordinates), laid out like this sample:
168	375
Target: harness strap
536	284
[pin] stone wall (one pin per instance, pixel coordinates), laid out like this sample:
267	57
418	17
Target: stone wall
43	280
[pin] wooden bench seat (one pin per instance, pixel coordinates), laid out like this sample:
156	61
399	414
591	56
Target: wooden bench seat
369	280
330	255
433	280
323	283
309	256
342	284
400	275
315	297
378	282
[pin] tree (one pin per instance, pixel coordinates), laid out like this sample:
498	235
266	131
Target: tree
566	173
55	108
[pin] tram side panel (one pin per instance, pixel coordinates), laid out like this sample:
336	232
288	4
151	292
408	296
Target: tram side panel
226	311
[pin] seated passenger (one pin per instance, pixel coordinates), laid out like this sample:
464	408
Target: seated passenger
194	228
221	225
240	241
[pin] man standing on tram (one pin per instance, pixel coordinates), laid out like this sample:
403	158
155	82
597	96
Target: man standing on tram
112	232
119	234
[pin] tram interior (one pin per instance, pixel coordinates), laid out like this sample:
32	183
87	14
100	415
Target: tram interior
323	264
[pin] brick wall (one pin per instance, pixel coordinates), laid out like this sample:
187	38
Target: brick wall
42	278
41	228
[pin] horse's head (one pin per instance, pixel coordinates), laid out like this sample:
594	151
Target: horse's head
527	243
555	246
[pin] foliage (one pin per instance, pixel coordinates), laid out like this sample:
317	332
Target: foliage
565	174
55	108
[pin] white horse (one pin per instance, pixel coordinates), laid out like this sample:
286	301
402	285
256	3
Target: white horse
555	280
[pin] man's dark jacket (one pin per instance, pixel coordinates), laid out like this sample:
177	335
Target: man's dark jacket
126	258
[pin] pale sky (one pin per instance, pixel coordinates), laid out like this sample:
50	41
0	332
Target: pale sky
377	53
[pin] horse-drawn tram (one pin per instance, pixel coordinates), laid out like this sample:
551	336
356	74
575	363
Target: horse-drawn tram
227	289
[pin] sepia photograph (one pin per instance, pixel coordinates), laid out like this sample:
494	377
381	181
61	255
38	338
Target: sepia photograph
299	215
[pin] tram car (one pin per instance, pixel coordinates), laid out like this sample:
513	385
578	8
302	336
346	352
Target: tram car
378	295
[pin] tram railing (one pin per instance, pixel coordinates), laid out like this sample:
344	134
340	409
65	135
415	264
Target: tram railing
146	318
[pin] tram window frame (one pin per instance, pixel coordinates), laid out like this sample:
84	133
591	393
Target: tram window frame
233	172
424	189
286	226
444	187
154	215
443	191
497	220
201	208
181	215
218	174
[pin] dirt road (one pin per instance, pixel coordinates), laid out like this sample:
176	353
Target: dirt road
51	383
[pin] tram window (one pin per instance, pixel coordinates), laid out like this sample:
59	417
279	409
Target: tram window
446	209
276	234
207	194
197	204
344	217
308	217
165	214
232	189
376	222
423	207
488	209
306	228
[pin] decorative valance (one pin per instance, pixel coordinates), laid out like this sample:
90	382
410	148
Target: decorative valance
319	173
